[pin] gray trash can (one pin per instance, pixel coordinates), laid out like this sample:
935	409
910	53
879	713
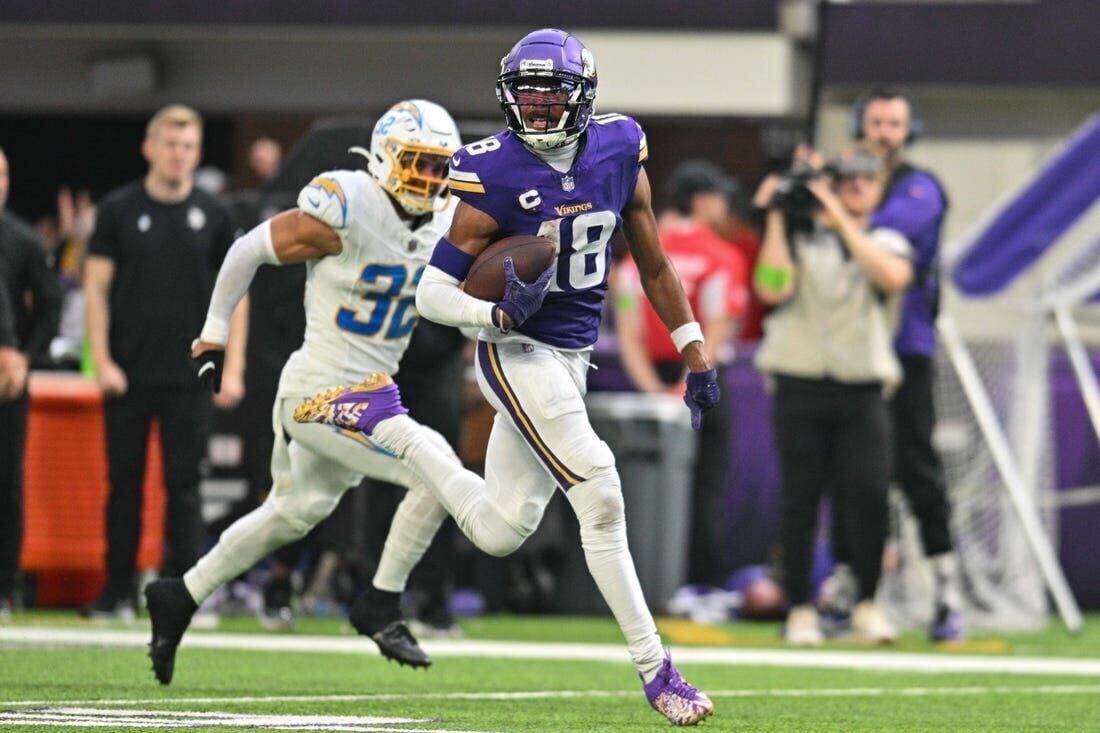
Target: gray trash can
654	449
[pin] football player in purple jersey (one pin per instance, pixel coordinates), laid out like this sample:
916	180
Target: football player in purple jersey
562	172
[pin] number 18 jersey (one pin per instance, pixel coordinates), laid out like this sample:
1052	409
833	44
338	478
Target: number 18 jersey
580	210
361	304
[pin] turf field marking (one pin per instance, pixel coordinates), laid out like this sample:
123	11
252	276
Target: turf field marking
954	691
529	651
81	717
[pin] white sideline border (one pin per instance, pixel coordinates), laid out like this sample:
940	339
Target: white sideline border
116	719
879	661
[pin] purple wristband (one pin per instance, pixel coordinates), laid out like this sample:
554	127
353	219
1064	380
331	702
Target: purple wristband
451	259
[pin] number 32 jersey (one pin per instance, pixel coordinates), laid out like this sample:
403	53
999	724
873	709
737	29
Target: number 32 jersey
580	210
360	305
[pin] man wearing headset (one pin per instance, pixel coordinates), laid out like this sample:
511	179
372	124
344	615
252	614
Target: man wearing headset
915	205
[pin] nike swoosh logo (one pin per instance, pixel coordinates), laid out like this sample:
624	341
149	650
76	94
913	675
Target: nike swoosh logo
457	160
313	201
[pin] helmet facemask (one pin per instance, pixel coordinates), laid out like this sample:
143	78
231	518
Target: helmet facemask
545	110
418	175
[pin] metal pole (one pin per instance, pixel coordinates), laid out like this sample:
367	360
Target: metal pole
1034	534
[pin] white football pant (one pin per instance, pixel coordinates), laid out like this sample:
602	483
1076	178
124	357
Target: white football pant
541	440
310	472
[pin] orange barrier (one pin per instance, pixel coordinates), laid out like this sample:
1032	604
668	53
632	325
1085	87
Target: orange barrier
65	491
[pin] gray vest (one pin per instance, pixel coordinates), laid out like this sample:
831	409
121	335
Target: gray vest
836	324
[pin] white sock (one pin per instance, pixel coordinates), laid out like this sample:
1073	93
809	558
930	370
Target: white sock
415	523
598	505
249	539
945	568
460	491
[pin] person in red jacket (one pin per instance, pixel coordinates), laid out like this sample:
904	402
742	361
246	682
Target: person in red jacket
742	234
715	280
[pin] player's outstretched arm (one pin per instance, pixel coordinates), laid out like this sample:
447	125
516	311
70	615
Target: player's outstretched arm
287	238
439	296
662	287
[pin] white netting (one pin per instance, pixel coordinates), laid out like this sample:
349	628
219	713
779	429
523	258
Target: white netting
1002	585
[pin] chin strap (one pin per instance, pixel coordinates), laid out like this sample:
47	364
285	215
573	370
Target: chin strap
560	158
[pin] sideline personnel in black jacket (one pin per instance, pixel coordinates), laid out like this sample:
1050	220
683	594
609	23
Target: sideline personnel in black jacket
29	315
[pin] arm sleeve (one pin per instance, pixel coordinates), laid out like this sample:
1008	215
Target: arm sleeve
439	299
913	206
241	262
45	316
7	317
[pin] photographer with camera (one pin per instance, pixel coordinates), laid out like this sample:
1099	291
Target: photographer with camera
827	350
915	205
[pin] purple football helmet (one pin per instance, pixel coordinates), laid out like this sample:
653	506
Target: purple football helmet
546	87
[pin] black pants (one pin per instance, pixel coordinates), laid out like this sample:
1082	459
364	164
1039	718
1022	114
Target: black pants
13	438
184	414
257	438
917	464
836	435
710	478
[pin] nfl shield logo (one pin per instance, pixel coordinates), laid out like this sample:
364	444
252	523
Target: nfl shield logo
567	183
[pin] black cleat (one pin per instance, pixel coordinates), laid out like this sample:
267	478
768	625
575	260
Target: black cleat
170	610
278	611
109	608
381	621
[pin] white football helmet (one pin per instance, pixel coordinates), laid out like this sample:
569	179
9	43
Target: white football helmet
410	148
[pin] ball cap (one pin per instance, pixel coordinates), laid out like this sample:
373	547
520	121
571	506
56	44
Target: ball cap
697	176
855	162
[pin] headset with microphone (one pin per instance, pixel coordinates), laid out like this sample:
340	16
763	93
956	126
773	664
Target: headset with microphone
859	107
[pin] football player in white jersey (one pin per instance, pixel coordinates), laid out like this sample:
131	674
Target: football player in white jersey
366	239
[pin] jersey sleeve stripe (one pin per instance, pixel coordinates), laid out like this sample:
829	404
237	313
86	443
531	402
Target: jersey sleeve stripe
467	187
465	176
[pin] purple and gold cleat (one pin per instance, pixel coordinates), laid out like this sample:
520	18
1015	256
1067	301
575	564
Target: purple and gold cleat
671	696
359	407
947	626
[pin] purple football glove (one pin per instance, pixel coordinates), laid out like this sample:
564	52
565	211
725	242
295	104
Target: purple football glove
702	394
522	299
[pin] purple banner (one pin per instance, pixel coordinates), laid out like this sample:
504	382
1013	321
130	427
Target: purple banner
1036	217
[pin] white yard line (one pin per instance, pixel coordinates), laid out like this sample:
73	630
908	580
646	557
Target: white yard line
81	717
529	651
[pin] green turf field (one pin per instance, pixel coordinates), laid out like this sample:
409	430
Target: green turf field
51	678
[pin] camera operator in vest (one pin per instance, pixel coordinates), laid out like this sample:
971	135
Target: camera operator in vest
914	204
827	349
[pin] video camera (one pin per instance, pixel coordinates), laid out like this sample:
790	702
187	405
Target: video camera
792	196
798	203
